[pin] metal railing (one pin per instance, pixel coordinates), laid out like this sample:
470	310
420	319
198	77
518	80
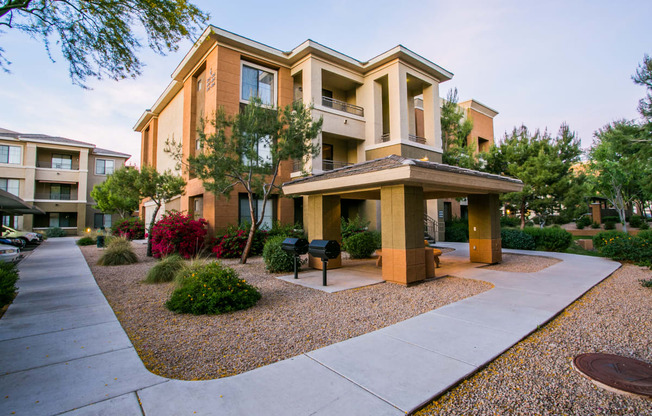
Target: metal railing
333	164
62	166
383	138
417	139
72	196
431	227
342	106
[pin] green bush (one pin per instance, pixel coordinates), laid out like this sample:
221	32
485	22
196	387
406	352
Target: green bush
610	225
645	235
550	238
613	218
118	252
603	237
595	225
646	282
361	245
211	289
457	230
644	226
165	269
8	279
622	246
276	259
288	230
353	226
132	228
635	221
506	221
584	221
86	241
55	232
516	239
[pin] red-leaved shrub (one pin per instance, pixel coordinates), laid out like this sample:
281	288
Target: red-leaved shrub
130	228
178	233
232	244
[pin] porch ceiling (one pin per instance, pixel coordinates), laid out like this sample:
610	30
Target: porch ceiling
364	180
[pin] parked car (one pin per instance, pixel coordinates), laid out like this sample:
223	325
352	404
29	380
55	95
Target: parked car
29	236
9	254
16	242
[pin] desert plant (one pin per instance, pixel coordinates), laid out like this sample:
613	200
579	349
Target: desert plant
55	232
8	279
550	238
361	245
131	228
178	233
86	241
212	289
165	270
118	252
646	282
276	259
517	239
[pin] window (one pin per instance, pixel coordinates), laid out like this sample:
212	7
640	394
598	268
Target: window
61	162
10	185
11	154
58	219
264	151
104	167
102	221
60	192
244	216
258	82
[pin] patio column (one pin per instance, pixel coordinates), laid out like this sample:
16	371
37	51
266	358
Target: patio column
484	229
324	216
402	231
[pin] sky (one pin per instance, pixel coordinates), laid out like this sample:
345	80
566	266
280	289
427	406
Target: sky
539	64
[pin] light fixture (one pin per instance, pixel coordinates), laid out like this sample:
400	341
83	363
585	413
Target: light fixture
424	159
508	212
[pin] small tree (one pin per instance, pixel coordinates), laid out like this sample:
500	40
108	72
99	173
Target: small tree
118	193
159	188
248	149
455	130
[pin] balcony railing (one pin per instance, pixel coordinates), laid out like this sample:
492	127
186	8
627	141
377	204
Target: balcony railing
333	164
56	196
383	138
62	166
416	139
342	106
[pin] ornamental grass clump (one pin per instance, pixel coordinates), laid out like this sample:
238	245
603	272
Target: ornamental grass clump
165	270
211	289
118	252
86	241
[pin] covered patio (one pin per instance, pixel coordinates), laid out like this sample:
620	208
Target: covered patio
402	185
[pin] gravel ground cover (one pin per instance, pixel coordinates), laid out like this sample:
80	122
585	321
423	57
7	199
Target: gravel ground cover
535	376
288	320
522	263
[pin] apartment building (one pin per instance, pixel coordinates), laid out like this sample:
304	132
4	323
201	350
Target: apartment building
368	108
57	175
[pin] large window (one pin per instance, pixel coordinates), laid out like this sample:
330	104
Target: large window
10	185
56	219
60	192
102	221
61	161
258	82
244	216
104	167
11	154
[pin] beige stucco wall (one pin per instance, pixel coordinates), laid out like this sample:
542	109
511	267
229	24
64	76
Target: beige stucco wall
170	126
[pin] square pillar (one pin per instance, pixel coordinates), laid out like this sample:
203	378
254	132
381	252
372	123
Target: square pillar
484	229
596	212
324	223
404	255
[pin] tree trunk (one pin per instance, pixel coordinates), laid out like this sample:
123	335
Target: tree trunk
522	214
250	241
149	233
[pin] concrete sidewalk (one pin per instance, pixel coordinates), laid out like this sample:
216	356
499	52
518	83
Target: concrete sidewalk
62	348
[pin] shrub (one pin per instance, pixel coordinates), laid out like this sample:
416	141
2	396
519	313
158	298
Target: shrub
517	239
550	238
361	245
601	238
276	259
165	270
212	289
55	232
613	218
178	233
646	282
635	221
86	241
8	279
353	226
610	225
644	226
506	221
628	248
595	225
233	242
131	228
457	230
645	235
584	221
289	230
118	252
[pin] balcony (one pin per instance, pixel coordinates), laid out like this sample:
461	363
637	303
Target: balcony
61	166
333	164
342	106
53	196
416	139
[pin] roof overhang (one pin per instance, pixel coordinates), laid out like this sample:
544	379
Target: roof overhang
11	204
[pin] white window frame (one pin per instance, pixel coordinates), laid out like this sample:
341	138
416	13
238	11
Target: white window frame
16	149
104	160
261	68
61	157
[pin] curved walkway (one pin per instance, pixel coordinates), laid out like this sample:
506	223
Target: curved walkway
63	351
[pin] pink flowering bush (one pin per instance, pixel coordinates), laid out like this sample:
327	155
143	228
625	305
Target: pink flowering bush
178	233
130	228
232	243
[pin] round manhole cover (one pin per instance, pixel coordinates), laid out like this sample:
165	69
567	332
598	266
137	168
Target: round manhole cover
616	373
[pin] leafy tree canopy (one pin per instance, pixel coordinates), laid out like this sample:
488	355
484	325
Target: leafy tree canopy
118	193
455	129
643	77
97	37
